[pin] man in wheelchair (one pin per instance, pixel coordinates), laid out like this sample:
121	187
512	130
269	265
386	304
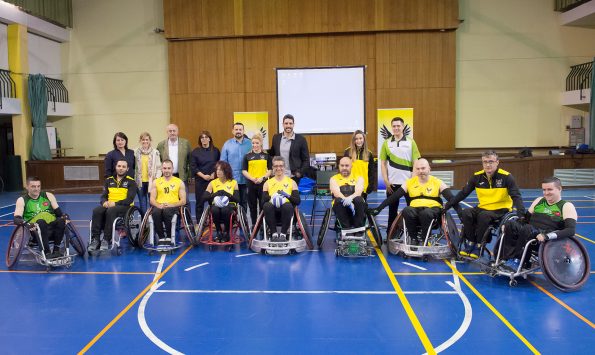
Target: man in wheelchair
497	192
425	204
117	197
280	194
41	208
549	217
168	194
348	204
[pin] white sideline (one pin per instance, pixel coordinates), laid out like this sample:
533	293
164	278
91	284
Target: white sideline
415	266
195	266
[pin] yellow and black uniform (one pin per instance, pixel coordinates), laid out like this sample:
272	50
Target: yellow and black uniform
228	186
352	215
285	188
221	215
368	170
257	165
122	193
167	191
496	195
424	195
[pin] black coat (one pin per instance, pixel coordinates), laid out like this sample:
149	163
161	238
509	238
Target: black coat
299	157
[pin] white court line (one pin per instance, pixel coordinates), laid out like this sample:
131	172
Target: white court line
6	214
14	204
313	292
155	261
242	255
142	322
159	267
466	204
589	197
464	325
195	266
415	266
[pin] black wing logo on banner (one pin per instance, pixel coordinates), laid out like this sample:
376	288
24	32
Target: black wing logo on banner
263	132
386	133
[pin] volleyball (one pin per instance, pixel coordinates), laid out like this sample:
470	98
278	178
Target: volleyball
221	201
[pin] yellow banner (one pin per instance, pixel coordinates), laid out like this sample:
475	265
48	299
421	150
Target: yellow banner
254	122
385	131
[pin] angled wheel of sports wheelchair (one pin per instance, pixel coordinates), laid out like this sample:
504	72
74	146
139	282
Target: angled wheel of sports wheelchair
20	235
75	238
353	242
565	263
298	240
437	242
238	233
127	226
148	240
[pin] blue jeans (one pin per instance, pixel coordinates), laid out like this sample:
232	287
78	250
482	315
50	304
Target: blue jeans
143	197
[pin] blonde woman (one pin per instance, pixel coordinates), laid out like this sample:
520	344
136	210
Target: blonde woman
364	163
256	168
148	168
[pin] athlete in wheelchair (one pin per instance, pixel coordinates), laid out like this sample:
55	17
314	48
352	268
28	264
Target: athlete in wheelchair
421	229
352	221
222	220
280	200
158	231
40	229
544	239
116	216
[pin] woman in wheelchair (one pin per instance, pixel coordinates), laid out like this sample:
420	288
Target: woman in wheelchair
549	217
280	193
41	208
348	203
223	195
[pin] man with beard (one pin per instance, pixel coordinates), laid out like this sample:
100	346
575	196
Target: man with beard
118	196
348	203
233	152
293	148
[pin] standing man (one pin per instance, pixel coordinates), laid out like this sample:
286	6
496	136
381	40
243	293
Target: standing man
167	195
293	148
41	207
397	156
348	204
118	195
497	193
233	152
178	151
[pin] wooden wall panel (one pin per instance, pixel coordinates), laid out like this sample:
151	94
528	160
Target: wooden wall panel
199	18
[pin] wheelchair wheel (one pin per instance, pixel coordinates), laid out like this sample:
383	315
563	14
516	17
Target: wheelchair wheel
304	228
144	231
323	228
74	238
243	222
565	263
449	227
375	230
188	225
256	228
132	221
397	229
20	236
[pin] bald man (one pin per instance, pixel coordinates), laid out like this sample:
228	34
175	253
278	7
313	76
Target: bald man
178	151
348	203
425	203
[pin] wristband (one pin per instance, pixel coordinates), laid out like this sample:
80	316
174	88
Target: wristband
551	235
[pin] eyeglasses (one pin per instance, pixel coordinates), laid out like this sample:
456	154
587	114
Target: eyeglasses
207	137
279	166
489	162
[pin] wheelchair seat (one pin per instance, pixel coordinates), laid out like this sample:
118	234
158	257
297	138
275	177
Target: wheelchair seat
298	238
147	236
238	233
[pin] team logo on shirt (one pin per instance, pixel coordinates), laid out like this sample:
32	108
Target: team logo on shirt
45	204
285	185
499	182
429	190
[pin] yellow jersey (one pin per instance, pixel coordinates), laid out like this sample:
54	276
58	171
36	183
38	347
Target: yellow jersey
424	195
274	185
168	191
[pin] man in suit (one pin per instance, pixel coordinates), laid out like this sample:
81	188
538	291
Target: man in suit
178	151
293	148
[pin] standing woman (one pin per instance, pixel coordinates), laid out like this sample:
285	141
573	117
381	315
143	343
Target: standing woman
120	152
148	168
364	164
224	196
202	166
257	168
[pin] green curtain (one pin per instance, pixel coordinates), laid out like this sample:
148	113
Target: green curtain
592	108
56	11
38	102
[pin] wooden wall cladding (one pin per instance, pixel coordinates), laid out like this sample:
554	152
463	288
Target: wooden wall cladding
223	72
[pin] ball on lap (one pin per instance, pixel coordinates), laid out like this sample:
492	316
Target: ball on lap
278	200
221	201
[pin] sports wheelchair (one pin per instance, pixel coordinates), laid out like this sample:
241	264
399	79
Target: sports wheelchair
298	238
206	229
24	242
128	226
147	237
439	242
353	242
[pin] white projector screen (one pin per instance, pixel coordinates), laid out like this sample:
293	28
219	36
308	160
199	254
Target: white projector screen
322	100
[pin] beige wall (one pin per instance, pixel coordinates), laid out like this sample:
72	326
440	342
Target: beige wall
115	69
512	61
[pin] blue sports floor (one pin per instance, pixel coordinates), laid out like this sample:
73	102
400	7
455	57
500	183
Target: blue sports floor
198	301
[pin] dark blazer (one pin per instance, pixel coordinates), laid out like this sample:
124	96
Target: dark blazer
299	157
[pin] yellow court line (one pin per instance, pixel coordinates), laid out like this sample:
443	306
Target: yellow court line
421	333
585	238
434	273
127	308
79	272
493	309
580	316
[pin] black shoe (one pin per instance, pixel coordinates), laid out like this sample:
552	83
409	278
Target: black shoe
57	252
225	238
217	237
282	237
274	237
94	245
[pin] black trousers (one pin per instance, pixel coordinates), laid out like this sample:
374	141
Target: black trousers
271	218
103	219
346	217
51	231
393	210
221	215
516	235
200	186
161	217
416	217
243	190
476	222
254	198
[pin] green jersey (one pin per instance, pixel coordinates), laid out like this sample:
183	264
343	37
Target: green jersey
39	208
